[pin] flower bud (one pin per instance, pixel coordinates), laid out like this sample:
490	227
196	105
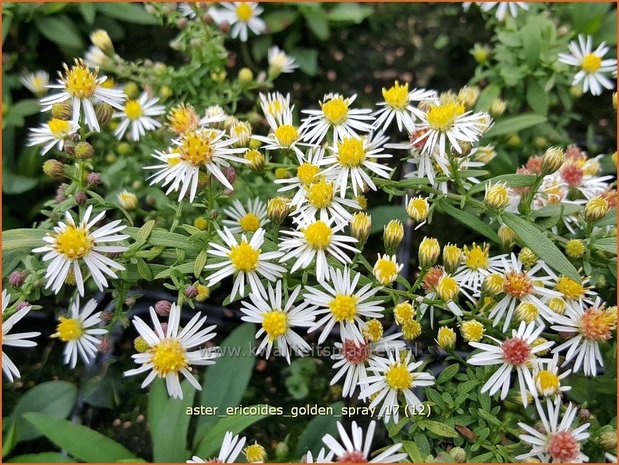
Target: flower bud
241	131
507	236
386	269
527	312
417	209
17	278
468	95
104	113
230	174
200	222
447	288
497	107
493	284
140	344
132	90
255	453
374	330
281	451
557	305
256	159
282	173
404	312
63	111
480	53
608	440
128	200
83	150
484	154
22	304
497	196
93	179
411	330
105	345
191	292
245	75
278	209
203	293
446	338
80	198
53	168
101	39
360	226
527	257
596	208
575	248
472	331
458	454
429	251
452	256
163	307
393	234
552	160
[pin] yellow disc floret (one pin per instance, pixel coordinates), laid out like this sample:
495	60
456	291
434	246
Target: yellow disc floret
374	330
244	12
477	257
196	148
286	134
59	128
69	329
344	307
570	289
396	96
472	331
398	377
591	63
74	242
275	323
249	222
547	383
133	109
306	172
244	257
351	152
441	117
320	194
318	235
168	356
335	110
80	82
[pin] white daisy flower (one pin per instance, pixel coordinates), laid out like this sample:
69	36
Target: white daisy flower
354	449
246	220
547	378
83	88
14	340
320	201
397	104
559	442
202	148
348	158
274	107
523	286
96	58
582	175
335	113
322	457
50	134
514	353
476	265
341	303
593	67
307	173
394	376
72	245
36	82
138	114
443	286
449	122
231	447
352	358
280	61
79	331
314	240
504	9
284	135
277	321
168	354
590	325
242	16
245	261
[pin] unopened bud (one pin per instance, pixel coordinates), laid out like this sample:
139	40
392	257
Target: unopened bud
497	196
596	208
80	198
497	108
446	338
203	293
393	234
93	179
360	226
245	75
575	248
458	454
417	209
84	151
163	307
230	174
452	256
429	251
278	209
53	168
22	304
608	440
17	278
527	257
191	292
101	39
140	344
132	90
105	345
507	236
256	159
104	113
128	200
63	111
552	160
493	284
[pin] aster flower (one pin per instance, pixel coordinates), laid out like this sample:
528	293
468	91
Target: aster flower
78	330
50	134
83	87
504	9
516	353
242	17
322	457
320	201
354	449
386	269
275	106
168	354
547	378
278	320
246	220
280	61
348	159
138	115
72	245
14	340
231	447
593	67
284	135
36	82
202	148
559	441
394	376
591	325
308	170
397	105
245	261
476	265
335	113
314	240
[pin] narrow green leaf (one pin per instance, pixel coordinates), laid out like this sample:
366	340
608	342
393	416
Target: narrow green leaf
129	12
15	239
448	373
144	269
607	244
440	429
512	124
471	221
413	451
198	265
42	457
556	209
60	30
539	243
144	232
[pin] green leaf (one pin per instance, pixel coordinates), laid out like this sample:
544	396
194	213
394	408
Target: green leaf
280	20
13	183
512	124
539	243
169	422
413	452
224	383
385	213
531	42
609	220
60	30
15	239
311	437
80	442
6	25
129	12
144	270
349	12
440	429
556	209
25	107
198	265
448	373
236	424
53	398
487	96
144	232
42	457
511	180
307	59
471	221
318	24
537	97
607	244
88	12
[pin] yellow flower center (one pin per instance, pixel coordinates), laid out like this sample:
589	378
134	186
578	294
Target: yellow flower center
168	356
591	63
59	128
570	289
396	96
385	271
275	323
244	257
472	331
477	257
255	453
196	148
351	152
335	110
183	118
320	194
244	12
69	329
74	242
398	377
80	82
286	134
344	307
374	330
527	312
249	223
404	312
517	284
596	324
547	383
442	117
133	109
447	288
318	235
306	172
